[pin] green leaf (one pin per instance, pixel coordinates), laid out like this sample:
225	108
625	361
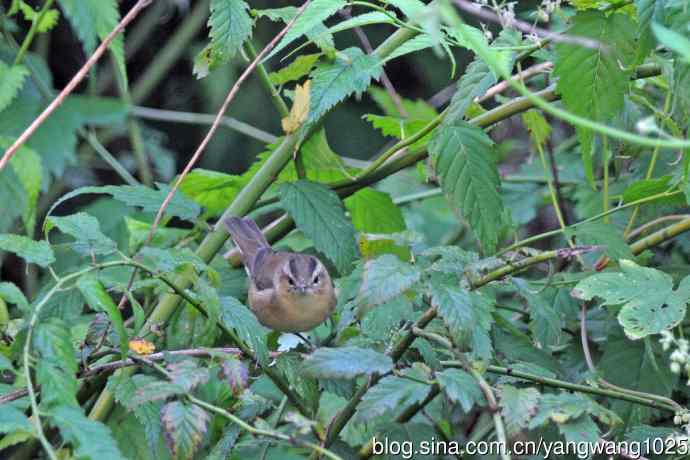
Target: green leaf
518	406
594	81
99	300
635	366
648	11
148	199
461	388
374	212
95	19
672	40
11	81
187	374
351	72
11	293
152	391
297	69
389	395
602	234
400	128
312	16
12	419
184	426
90	439
230	26
650	305
48	21
11	191
346	362
234	315
57	363
34	252
418	43
415	109
319	213
171	260
148	413
224	446
539	129
464	160
645	188
26	164
385	278
476	80
86	231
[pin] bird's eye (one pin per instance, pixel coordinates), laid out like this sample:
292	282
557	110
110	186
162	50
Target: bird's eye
316	279
291	281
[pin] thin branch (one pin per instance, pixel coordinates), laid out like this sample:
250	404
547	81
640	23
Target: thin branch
510	22
76	80
524	75
202	119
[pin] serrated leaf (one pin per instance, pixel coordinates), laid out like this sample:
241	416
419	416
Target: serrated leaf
153	391
648	11
234	315
385	278
464	160
57	364
86	231
11	81
91	439
539	129
187	374
223	448
476	80
162	237
418	43
230	26
27	166
650	305
148	199
319	213
148	413
400	128
299	112
11	191
346	362
351	72
312	16
389	394
184	426
518	406
461	388
297	69
647	187
594	81
236	373
48	21
34	252
99	300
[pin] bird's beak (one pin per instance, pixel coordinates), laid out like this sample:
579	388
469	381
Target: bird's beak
302	289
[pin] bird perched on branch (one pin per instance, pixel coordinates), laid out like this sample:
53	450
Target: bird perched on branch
288	292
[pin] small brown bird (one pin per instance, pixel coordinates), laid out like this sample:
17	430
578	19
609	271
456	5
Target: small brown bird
288	292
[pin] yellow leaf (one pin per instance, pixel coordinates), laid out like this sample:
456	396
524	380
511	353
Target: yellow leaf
141	346
300	109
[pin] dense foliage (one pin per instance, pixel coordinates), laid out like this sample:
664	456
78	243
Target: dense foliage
510	255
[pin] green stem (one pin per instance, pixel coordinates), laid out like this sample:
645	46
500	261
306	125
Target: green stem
135	137
26	43
569	386
278	101
202	119
108	157
605	188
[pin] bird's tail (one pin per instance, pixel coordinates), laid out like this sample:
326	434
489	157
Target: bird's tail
248	238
